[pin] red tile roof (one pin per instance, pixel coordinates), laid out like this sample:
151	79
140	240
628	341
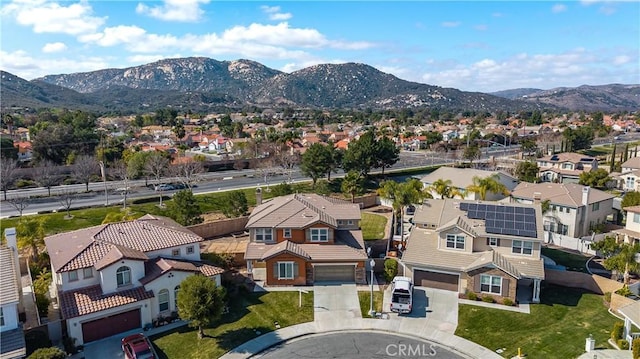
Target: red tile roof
75	303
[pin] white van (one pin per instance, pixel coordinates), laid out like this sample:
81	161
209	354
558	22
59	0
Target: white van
401	295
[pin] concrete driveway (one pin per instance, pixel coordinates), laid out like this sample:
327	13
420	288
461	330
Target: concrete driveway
435	308
335	300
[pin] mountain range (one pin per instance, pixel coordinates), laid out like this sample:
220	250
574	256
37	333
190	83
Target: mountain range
202	84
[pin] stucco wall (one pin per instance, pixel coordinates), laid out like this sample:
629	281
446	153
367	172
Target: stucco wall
168	252
590	282
108	274
81	282
220	228
474	276
299	279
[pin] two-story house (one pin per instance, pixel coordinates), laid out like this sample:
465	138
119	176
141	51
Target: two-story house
565	167
629	178
631	232
120	276
574	210
12	343
461	178
300	239
483	247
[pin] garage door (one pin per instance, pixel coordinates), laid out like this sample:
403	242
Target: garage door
435	280
334	273
112	325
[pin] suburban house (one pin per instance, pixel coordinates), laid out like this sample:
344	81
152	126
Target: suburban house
300	239
121	276
565	167
629	178
461	178
12	343
631	231
483	247
574	210
631	164
631	315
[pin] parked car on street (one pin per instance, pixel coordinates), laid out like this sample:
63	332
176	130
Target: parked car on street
137	346
164	187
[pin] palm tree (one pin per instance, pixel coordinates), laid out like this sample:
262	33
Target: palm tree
352	184
624	261
444	189
31	234
482	186
402	195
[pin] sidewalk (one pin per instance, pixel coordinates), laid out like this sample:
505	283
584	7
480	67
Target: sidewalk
521	308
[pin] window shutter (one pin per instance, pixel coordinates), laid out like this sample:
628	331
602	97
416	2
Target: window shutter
476	284
505	287
308	234
488	241
295	269
498	242
330	232
275	270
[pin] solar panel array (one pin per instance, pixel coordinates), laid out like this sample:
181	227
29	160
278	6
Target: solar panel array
501	219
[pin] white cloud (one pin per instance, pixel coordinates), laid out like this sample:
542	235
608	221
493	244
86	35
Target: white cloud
274	13
51	17
117	35
174	10
145	59
21	64
481	27
621	60
294	66
450	24
558	8
54	47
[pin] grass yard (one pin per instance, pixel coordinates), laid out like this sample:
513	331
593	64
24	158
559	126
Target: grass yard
573	262
365	302
556	328
248	313
372	226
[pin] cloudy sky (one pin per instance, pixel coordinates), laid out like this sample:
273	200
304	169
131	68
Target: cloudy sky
474	46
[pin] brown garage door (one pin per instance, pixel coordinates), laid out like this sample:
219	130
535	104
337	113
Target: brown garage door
334	273
435	280
112	325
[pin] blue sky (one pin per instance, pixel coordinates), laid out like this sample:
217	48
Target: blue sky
473	46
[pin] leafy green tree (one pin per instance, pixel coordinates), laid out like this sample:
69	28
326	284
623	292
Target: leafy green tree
529	147
595	178
282	189
361	154
235	204
620	257
7	150
336	155
30	234
471	153
316	162
387	153
432	137
444	188
200	301
630	199
48	353
483	185
578	139
352	184
185	209
527	171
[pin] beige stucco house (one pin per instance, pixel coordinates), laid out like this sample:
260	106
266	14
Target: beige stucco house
565	167
461	178
631	231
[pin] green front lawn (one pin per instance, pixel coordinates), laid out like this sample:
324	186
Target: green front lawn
249	313
372	226
573	261
556	328
365	302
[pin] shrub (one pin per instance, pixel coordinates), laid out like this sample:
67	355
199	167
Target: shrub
607	297
616	332
390	269
149	200
22	183
623	344
624	291
472	296
48	353
507	302
635	347
488	299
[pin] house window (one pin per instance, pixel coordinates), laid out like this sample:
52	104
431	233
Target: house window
175	296
175	252
286	232
522	247
568	210
490	284
87	272
494	242
285	270
1	317
636	218
349	222
123	276
567	166
340	222
163	300
190	250
319	234
73	276
630	182
264	234
595	206
454	241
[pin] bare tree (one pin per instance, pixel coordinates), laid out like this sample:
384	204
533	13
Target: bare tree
8	173
19	203
188	171
288	160
48	175
121	171
85	168
66	199
156	166
265	168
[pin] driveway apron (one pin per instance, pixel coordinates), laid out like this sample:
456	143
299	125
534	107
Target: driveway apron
335	300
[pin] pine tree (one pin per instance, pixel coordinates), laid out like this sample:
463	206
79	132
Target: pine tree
613	159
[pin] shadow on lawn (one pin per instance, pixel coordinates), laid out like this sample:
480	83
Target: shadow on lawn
553	295
233	338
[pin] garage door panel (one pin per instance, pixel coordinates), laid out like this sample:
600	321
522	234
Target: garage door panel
334	273
436	280
111	325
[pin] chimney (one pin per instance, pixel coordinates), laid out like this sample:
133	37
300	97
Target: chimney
12	243
258	196
537	196
585	196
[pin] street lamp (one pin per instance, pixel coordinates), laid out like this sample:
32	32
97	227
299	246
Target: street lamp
372	264
103	172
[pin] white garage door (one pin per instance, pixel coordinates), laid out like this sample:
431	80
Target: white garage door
338	273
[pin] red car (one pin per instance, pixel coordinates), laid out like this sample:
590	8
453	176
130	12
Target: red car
137	346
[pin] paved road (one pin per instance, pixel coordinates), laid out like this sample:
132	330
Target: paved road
358	345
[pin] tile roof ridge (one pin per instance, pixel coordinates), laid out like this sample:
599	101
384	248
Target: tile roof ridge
324	216
503	263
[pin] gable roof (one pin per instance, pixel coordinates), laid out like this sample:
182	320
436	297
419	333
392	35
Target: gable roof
568	194
302	210
155	268
9	291
463	177
74	303
633	162
572	157
107	243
